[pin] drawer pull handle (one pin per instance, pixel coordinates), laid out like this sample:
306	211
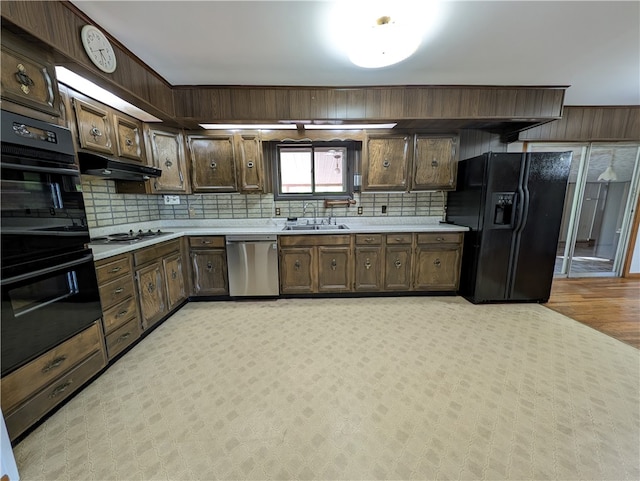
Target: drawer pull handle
151	287
398	239
398	264
440	239
386	164
60	389
54	364
23	79
334	264
436	263
121	314
369	239
296	265
116	269
206	242
126	335
367	264
119	290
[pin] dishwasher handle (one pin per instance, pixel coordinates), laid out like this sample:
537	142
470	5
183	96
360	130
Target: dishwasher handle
231	239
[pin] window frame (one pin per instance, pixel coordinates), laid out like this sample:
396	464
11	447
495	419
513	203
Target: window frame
350	162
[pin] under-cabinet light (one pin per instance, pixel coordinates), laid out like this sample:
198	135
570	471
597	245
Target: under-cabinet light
348	126
248	126
96	92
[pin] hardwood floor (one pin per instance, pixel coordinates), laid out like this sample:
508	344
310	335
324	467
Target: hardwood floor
610	305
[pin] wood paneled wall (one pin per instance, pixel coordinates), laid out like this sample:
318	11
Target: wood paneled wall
590	124
477	142
58	25
368	103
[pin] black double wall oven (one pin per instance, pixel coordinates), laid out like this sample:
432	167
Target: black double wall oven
49	286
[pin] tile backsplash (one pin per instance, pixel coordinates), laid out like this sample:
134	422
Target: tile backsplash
105	207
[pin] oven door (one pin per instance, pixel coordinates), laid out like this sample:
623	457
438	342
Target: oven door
44	306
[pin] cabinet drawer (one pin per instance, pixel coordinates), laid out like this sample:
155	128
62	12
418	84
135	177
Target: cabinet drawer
32	410
115	267
149	254
368	239
122	337
20	384
440	238
206	241
119	314
399	239
116	291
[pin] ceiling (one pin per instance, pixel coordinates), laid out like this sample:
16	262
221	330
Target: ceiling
592	46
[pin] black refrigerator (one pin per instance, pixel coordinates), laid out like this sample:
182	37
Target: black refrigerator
512	204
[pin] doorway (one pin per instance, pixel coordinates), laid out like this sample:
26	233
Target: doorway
602	187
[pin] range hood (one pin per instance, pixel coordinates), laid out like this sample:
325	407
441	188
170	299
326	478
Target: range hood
92	164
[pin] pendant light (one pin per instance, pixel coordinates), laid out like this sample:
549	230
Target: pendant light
609	174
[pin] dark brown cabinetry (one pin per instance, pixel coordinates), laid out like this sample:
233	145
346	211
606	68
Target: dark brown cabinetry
398	256
385	163
93	122
28	77
437	262
298	267
368	262
208	266
120	317
160	280
166	147
129	138
212	163
33	390
334	268
435	162
249	163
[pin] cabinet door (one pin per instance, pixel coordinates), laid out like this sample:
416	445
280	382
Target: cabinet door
437	268
209	272
212	164
167	153
334	269
27	79
94	127
151	294
174	278
129	139
368	268
397	268
385	165
249	163
435	163
297	270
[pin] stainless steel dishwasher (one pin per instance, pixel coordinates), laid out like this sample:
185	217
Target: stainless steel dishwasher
252	261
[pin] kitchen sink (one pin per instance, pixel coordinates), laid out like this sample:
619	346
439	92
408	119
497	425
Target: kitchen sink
316	227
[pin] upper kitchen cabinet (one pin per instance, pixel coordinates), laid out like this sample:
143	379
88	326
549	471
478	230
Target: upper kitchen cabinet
385	163
28	78
166	147
129	138
212	163
249	163
435	162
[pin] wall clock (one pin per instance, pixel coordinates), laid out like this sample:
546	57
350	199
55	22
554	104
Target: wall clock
98	48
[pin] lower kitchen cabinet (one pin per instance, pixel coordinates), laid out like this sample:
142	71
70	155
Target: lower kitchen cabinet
119	299
398	257
437	262
36	388
315	263
160	280
368	262
208	266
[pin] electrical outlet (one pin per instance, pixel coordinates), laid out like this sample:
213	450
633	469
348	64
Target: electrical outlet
277	210
359	210
172	199
384	209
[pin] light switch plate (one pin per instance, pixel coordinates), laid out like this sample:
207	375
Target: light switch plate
172	199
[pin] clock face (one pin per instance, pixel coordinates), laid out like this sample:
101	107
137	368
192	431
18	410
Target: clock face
98	48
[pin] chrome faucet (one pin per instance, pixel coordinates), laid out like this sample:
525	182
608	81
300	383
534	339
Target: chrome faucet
304	210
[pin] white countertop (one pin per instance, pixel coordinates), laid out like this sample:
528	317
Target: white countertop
176	229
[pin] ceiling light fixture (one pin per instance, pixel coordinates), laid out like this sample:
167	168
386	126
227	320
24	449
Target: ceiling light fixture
248	126
348	126
609	174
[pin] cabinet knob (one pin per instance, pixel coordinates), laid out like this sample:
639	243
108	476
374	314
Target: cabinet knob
436	263
434	163
334	264
398	264
209	266
296	265
174	274
213	164
168	163
367	264
128	142
95	132
386	164
23	79
151	287
250	165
